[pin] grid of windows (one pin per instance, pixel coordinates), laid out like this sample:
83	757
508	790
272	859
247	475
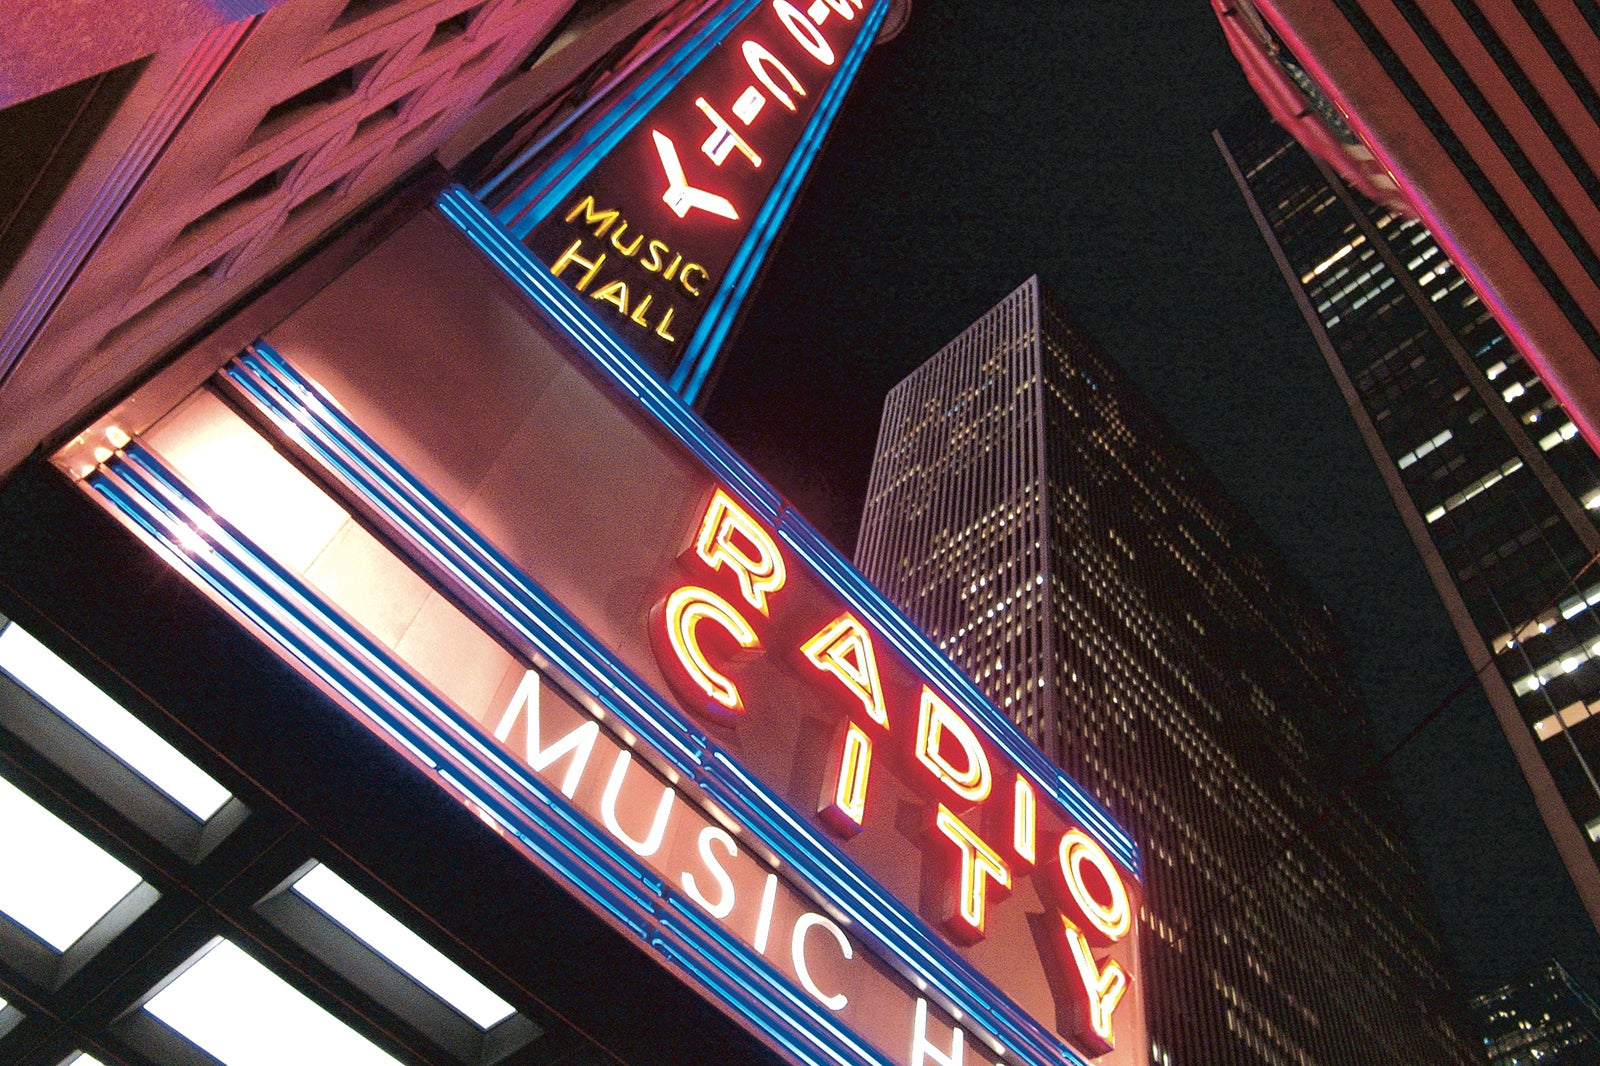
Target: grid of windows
1035	516
1496	487
1544	1019
116	946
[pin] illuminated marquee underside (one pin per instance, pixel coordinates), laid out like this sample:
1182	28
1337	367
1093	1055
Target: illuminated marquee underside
704	722
660	209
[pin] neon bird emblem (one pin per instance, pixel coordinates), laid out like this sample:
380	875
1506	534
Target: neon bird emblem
680	195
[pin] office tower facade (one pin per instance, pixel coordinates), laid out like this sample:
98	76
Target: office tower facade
1495	485
1485	119
1039	521
1544	1019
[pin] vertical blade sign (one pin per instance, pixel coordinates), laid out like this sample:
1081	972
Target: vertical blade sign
659	222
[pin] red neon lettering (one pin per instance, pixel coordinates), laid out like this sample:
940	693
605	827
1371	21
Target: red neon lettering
843	648
730	537
1024	820
1112	917
680	195
979	866
762	64
682	615
937	720
844	795
723	139
1103	990
804	31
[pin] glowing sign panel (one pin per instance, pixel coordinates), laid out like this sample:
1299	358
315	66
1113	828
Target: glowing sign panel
648	233
696	855
947	765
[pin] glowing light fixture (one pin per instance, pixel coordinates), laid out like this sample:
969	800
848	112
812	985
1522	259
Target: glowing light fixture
380	931
54	882
242	1014
76	699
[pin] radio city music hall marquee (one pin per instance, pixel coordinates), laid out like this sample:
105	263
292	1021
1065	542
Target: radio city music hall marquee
701	721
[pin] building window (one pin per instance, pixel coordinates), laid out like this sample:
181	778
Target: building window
62	897
65	717
363	942
240	1013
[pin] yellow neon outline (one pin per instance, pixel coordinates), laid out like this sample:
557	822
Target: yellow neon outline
1112	922
1104	988
829	651
758	578
933	718
1024	821
978	861
686	608
855	767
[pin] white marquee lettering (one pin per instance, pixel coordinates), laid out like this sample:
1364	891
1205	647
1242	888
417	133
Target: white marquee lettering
579	743
922	1051
724	904
769	896
608	811
804	925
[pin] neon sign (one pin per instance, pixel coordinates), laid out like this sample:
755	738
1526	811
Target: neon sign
656	218
745	895
942	756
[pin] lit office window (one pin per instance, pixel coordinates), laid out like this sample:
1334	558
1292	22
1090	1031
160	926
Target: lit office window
10	1018
76	699
376	928
53	881
242	1014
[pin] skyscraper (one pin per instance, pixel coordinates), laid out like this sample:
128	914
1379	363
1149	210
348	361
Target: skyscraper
1484	120
1487	469
1543	1019
1039	521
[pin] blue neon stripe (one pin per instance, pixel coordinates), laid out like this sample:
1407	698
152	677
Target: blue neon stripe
590	864
530	206
300	412
706	343
534	279
357	669
761	981
296	406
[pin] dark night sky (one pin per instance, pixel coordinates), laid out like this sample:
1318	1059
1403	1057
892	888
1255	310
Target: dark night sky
998	139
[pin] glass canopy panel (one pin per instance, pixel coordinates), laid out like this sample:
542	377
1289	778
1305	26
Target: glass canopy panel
242	1014
381	932
76	699
54	881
